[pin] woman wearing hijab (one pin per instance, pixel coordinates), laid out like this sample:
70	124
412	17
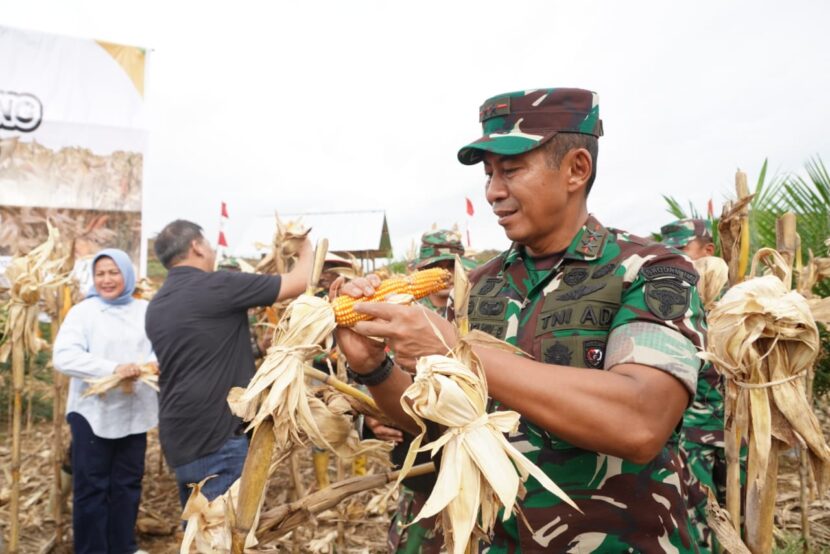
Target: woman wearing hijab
102	335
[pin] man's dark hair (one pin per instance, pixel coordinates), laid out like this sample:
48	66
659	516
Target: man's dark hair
562	143
173	242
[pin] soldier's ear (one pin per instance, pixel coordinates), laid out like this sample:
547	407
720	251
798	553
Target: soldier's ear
579	165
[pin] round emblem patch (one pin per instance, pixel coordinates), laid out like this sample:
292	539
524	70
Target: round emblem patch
667	298
575	276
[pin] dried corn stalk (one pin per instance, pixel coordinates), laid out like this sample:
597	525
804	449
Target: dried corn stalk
480	470
209	521
278	388
101	386
714	274
763	339
732	235
31	276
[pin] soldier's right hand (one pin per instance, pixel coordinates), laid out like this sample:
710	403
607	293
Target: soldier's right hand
362	353
383	432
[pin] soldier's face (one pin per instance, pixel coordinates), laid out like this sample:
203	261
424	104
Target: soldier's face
697	249
527	196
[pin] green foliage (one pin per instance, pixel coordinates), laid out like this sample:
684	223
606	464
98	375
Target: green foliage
674	208
821	382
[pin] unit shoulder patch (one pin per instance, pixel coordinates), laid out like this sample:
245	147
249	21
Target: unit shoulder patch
661	271
667	298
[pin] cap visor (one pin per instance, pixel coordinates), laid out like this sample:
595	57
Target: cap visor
506	145
676	243
434	260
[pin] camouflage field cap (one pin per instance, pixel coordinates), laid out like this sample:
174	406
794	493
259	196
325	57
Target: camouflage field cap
681	232
439	245
229	263
518	122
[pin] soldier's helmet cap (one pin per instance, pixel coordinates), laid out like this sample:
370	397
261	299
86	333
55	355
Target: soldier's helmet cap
439	245
518	122
229	263
681	232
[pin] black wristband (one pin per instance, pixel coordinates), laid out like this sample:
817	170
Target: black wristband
374	377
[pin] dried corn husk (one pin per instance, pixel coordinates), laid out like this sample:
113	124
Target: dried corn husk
279	388
209	522
763	339
285	247
101	386
335	417
714	274
145	289
31	276
480	470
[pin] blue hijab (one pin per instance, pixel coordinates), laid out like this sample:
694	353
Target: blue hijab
125	266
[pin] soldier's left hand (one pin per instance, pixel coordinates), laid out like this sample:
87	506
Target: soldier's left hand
410	331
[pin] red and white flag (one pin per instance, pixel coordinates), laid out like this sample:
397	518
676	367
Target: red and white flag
470	213
223	219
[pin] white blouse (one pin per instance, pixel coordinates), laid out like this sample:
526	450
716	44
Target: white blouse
94	338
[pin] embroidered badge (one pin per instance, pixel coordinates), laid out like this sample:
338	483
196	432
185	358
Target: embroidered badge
579	292
667	298
558	354
593	353
575	276
603	271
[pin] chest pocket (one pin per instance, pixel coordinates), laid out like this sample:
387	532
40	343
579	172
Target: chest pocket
573	323
488	307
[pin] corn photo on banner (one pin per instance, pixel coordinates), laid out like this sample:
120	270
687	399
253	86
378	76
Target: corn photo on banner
73	136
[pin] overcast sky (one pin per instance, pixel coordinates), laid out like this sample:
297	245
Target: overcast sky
320	106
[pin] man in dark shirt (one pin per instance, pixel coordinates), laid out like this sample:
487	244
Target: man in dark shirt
198	325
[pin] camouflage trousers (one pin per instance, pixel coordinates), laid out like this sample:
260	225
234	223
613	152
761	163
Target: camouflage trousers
704	467
418	538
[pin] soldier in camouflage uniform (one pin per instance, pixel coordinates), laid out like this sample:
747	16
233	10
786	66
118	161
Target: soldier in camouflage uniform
702	445
612	323
438	249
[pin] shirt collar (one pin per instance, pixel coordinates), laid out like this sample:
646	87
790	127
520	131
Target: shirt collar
588	244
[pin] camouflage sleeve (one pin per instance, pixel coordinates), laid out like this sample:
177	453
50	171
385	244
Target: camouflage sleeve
661	321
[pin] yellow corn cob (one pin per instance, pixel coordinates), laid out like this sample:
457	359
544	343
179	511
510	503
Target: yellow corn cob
419	284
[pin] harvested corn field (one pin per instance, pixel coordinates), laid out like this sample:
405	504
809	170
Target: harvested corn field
364	517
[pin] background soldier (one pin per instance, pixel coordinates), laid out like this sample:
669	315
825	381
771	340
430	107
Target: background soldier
702	443
438	249
612	323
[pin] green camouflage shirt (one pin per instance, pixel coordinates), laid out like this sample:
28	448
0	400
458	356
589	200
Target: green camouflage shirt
610	298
